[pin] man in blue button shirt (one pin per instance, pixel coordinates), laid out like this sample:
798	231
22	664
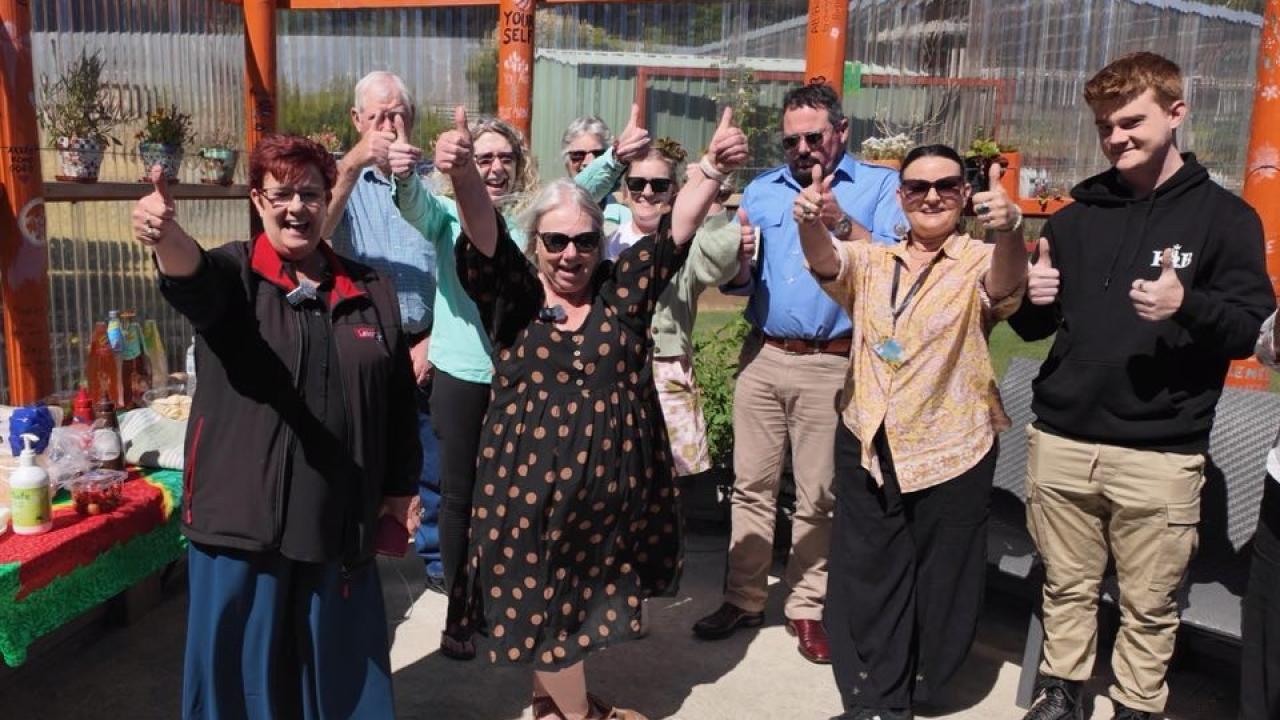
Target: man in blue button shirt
366	225
793	368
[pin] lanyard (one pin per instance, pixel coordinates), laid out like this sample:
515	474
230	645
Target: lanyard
894	307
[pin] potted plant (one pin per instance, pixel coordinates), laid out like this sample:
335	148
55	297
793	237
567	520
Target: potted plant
983	151
218	156
887	151
1050	196
79	111
162	139
328	138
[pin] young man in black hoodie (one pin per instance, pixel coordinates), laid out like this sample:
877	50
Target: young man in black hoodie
1153	280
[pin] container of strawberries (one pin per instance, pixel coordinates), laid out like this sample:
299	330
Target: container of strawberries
97	491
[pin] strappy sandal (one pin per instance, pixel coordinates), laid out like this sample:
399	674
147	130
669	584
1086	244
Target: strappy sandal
609	712
456	648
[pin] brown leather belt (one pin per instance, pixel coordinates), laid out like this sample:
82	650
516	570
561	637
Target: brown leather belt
801	346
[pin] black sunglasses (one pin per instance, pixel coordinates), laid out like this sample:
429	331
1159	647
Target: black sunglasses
578	156
585	242
659	185
812	139
948	188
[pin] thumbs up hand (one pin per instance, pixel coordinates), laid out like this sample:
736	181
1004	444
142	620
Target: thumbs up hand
633	143
154	218
1158	299
728	149
810	203
993	207
1043	278
402	156
453	147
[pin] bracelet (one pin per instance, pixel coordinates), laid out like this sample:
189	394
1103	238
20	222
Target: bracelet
1017	222
709	170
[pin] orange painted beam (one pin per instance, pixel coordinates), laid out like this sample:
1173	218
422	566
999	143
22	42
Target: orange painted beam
394	4
24	256
515	63
260	101
824	48
1262	173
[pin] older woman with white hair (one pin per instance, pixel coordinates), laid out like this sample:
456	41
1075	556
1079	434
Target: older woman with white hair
575	518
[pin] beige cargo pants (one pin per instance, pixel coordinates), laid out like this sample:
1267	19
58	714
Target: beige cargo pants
1086	501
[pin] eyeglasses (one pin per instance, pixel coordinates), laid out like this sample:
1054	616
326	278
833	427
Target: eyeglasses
811	139
283	196
577	156
949	189
585	242
486	159
659	185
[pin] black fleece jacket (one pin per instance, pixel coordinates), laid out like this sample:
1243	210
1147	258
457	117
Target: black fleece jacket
1112	377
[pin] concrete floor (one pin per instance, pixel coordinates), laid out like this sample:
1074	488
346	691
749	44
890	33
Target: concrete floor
134	672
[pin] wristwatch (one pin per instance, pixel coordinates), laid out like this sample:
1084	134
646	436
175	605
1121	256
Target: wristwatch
843	229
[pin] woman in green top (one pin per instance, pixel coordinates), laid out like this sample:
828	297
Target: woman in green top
459	350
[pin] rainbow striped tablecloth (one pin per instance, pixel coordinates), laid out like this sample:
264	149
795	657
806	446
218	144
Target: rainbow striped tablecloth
47	580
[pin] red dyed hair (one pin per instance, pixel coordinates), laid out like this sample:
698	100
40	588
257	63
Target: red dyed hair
286	157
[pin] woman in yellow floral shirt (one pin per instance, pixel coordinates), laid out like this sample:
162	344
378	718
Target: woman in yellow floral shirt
916	451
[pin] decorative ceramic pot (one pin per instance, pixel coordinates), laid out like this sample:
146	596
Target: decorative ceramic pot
167	156
218	165
79	159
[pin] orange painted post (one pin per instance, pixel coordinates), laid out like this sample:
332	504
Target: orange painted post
515	62
824	50
24	257
1262	172
259	70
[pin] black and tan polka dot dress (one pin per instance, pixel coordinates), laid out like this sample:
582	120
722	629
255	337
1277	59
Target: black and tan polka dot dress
574	518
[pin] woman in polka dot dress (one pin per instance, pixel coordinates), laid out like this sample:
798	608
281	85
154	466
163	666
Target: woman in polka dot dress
574	519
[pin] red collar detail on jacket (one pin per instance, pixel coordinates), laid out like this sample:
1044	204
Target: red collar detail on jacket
268	264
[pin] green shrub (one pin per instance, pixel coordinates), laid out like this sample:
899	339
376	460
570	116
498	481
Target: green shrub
715	365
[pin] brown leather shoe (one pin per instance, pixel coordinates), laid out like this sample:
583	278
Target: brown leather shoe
721	623
812	640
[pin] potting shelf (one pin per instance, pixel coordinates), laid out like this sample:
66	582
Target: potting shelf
88	192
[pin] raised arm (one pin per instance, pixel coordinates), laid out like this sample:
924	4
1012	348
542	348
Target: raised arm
371	150
815	240
475	209
601	176
727	152
1002	219
155	225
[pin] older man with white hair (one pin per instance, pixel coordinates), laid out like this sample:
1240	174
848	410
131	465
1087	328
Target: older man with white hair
364	224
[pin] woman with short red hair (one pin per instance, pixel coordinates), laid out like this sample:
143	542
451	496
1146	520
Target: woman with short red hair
302	452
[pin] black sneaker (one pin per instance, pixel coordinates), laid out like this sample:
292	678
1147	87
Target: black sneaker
875	714
1058	699
1125	713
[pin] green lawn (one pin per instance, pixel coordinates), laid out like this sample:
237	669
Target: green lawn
1004	343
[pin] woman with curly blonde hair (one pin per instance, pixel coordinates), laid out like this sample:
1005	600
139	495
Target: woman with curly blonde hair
720	253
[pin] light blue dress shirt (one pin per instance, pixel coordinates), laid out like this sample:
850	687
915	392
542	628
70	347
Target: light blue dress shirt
786	301
373	232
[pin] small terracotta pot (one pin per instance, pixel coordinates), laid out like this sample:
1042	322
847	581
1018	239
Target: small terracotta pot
218	165
167	156
79	159
893	164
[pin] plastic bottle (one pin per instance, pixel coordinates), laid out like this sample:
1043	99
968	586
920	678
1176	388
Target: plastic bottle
100	366
153	346
115	331
108	450
82	407
135	371
29	495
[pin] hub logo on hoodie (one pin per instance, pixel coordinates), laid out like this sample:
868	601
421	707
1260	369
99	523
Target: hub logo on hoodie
1180	259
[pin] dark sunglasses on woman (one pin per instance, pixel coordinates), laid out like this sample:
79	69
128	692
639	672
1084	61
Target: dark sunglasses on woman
949	189
556	242
659	185
578	156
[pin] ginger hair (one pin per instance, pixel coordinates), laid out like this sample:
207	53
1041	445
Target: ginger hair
1127	77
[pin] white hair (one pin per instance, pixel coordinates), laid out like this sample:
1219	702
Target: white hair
555	194
380	80
586	125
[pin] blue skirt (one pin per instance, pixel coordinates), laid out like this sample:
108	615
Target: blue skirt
268	637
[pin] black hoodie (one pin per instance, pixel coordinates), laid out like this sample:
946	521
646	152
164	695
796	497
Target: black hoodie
1112	377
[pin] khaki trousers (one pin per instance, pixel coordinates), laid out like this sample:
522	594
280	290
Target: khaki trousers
1086	501
781	397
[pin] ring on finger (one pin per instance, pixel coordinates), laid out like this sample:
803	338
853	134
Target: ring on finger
981	209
